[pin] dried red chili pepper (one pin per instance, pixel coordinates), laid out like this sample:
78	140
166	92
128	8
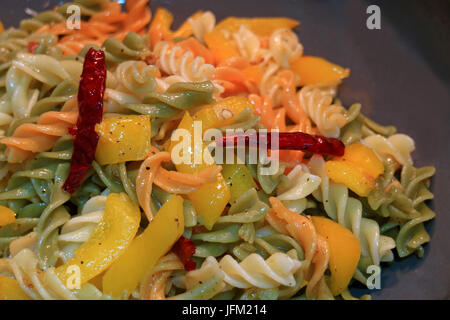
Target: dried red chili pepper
184	249
90	106
32	46
287	141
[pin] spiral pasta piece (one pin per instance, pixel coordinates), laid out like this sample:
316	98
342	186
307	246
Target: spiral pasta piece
271	55
79	228
256	272
314	245
245	211
347	211
5	114
250	46
133	80
153	287
151	172
202	24
41	21
284	47
41	284
31	138
317	101
203	283
110	21
173	60
291	104
38	284
299	183
399	146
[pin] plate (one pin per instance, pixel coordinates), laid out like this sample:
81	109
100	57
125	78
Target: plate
399	73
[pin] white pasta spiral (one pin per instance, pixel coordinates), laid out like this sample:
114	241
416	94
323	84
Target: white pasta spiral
44	68
38	284
256	272
249	45
203	24
41	284
203	283
5	114
78	229
209	268
268	85
398	146
284	47
136	77
299	183
131	81
173	60
27	67
19	97
317	101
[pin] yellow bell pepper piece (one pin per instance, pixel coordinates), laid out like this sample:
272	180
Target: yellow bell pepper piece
344	251
11	290
313	70
108	241
239	178
185	30
351	176
210	199
221	48
222	112
145	251
7	216
357	169
160	27
365	158
260	26
124	138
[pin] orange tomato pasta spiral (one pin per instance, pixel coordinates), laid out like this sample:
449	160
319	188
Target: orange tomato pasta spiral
108	22
154	284
31	138
151	172
314	245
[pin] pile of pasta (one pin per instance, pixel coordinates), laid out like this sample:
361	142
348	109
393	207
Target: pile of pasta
309	231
